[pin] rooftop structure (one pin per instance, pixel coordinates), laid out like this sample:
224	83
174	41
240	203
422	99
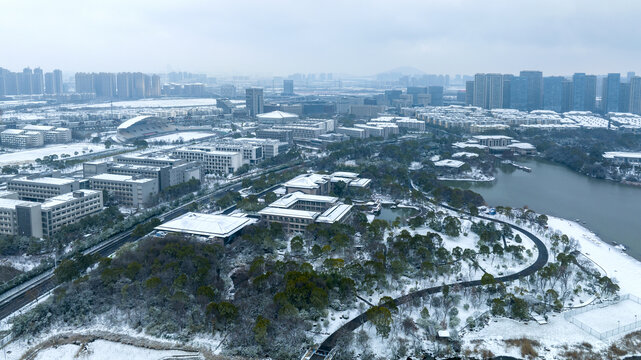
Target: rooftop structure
276	117
143	126
219	227
455	164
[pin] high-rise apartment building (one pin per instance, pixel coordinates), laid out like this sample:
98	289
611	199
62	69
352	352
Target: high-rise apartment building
519	93
611	88
436	95
553	93
57	81
583	92
26	82
469	92
125	85
494	91
84	83
49	88
37	82
624	97
254	101
635	95
534	89
104	85
507	90
288	87
480	87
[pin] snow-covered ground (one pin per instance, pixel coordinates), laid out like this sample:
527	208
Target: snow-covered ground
559	331
184	136
152	103
612	316
29	155
107	350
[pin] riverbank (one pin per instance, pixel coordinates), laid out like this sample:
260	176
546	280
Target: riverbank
559	334
609	209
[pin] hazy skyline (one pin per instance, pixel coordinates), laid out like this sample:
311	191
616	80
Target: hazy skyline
357	37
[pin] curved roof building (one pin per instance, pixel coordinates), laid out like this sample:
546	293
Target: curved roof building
276	117
143	126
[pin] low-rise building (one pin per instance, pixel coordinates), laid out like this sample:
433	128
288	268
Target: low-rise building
21	138
319	184
51	134
271	147
126	190
622	157
353	132
296	221
411	124
213	161
68	208
283	135
215	227
18	217
301	201
166	175
40	189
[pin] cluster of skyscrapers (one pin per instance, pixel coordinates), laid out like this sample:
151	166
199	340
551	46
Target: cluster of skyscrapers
121	85
30	82
530	90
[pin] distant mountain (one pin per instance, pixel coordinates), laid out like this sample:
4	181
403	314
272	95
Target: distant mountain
394	74
403	70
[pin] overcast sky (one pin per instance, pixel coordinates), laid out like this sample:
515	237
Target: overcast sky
270	37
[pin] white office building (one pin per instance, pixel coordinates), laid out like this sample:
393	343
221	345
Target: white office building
213	161
40	189
69	208
127	190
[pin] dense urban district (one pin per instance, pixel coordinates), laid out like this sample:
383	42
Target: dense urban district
168	216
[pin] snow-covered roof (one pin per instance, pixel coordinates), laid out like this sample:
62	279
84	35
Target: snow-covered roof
64	198
306	181
12	203
13	131
345	174
117	177
463	145
289	200
220	226
38	127
277	115
464	154
449	163
486	137
622	154
522	145
302	214
129	123
334	214
47	180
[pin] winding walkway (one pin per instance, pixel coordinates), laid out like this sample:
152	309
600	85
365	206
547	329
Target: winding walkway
330	342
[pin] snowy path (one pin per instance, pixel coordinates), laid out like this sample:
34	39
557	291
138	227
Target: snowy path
361	319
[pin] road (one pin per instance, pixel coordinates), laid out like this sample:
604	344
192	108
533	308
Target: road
542	259
14	299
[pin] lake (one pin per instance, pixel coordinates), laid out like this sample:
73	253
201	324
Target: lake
611	210
390	214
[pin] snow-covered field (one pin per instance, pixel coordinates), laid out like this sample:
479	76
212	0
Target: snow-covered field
105	350
29	155
559	332
184	136
152	103
611	317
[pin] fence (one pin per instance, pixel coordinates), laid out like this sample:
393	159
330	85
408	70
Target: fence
5	340
569	316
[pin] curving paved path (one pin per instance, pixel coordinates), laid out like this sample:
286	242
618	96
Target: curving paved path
330	342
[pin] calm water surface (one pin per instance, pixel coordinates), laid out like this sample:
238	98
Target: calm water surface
611	210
